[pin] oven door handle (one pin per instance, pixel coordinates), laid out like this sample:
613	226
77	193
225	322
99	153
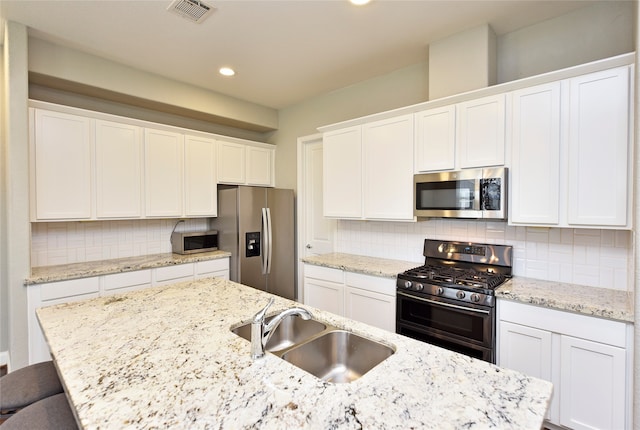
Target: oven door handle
448	305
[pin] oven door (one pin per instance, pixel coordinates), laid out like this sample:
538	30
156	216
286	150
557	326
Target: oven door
466	328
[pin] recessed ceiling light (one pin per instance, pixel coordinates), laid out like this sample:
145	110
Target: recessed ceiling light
359	2
227	71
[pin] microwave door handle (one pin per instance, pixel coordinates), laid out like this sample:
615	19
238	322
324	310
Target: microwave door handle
263	253
477	204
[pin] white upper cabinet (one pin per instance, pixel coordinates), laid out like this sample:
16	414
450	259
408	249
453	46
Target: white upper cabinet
462	135
368	170
61	166
435	139
599	150
89	166
260	166
535	162
118	170
244	164
200	187
481	132
231	163
388	168
342	173
163	156
571	153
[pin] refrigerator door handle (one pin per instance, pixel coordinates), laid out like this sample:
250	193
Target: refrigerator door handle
264	252
269	241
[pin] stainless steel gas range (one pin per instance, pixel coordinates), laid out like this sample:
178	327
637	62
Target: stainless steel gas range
450	301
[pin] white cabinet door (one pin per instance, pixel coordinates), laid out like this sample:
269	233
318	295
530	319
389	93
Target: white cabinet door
598	132
527	350
62	166
325	295
200	179
388	168
259	166
378	310
231	163
163	173
481	132
435	139
118	170
592	393
535	164
342	173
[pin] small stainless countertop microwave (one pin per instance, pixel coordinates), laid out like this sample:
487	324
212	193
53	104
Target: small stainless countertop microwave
194	242
472	193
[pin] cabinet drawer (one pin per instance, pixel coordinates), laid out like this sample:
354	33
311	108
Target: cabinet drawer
127	279
209	266
324	273
174	272
70	288
582	326
375	284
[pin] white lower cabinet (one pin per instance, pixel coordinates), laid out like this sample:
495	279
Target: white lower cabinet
324	288
49	294
172	274
364	298
212	268
587	359
54	293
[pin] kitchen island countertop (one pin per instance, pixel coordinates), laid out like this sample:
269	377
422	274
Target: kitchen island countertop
165	357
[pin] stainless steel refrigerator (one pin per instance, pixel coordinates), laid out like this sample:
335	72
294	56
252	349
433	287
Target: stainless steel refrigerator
256	225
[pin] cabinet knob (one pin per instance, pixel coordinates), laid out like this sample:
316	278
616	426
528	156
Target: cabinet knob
309	246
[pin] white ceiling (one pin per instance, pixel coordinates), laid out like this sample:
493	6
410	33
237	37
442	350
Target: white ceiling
283	51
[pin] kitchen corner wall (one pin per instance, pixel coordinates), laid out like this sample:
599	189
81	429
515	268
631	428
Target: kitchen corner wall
56	243
597	258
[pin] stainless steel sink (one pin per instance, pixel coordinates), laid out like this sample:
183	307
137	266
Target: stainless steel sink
291	331
338	356
325	351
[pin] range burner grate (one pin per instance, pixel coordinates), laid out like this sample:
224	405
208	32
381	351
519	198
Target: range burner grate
452	275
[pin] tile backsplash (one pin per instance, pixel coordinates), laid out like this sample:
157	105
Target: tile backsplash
597	258
79	241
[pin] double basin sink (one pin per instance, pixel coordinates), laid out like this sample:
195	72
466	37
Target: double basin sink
327	352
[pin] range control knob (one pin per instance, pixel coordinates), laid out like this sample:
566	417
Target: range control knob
440	291
475	297
407	284
419	287
460	294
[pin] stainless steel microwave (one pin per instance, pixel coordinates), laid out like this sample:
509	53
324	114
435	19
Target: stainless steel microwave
472	193
194	242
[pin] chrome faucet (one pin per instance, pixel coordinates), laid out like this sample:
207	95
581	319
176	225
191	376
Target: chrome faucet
261	332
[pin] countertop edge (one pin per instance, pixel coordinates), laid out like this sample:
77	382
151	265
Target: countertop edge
65	272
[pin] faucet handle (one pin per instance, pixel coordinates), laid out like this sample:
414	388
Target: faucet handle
259	317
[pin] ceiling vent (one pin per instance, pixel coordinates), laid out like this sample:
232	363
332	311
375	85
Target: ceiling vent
193	10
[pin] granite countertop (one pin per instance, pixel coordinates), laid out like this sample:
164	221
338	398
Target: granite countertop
361	264
88	269
599	302
165	357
